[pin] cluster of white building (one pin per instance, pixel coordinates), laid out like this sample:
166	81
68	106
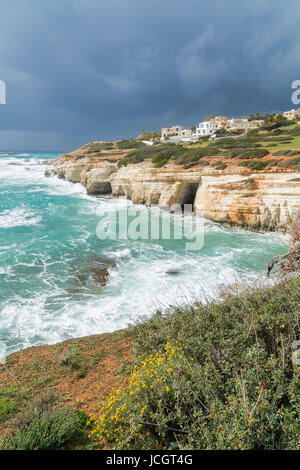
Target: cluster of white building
292	114
209	127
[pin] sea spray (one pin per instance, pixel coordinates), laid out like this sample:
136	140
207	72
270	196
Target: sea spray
48	247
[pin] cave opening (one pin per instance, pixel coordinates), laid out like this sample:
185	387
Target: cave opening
189	194
106	187
100	188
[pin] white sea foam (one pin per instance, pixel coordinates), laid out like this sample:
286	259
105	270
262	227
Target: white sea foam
56	187
125	253
17	217
49	305
137	286
6	270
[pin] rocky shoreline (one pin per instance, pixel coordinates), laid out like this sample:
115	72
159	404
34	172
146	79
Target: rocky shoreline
9	153
236	196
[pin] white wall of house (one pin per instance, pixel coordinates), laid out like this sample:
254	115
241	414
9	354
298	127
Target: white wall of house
292	114
186	133
176	134
206	128
171	131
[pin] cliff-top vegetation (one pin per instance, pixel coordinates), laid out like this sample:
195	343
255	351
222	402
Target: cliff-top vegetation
281	139
218	376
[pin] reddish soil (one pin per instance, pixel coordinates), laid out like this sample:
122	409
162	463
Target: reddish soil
79	371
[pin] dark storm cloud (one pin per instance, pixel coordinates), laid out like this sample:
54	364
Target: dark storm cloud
80	70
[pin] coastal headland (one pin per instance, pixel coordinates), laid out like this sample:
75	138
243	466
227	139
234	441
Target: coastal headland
251	181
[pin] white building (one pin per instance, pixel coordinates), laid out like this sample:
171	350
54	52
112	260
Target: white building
292	114
176	134
186	133
172	131
206	128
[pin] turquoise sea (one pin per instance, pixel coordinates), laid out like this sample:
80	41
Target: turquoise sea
48	243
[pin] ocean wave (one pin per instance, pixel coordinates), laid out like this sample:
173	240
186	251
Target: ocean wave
125	253
18	217
55	186
41	298
5	270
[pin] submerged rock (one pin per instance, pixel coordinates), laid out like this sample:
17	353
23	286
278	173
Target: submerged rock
95	270
173	271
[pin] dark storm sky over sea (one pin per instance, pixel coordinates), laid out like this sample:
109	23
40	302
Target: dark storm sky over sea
82	70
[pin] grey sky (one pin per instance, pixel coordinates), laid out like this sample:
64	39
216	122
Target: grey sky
82	70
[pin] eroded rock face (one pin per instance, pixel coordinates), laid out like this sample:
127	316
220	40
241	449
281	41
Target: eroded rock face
144	184
97	180
264	201
257	201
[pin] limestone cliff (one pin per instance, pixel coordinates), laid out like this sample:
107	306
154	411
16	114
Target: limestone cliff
265	200
261	201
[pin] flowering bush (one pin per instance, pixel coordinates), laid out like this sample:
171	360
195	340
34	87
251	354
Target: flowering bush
142	411
224	377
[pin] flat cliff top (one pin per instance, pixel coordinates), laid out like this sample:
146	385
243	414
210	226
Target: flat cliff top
271	151
79	370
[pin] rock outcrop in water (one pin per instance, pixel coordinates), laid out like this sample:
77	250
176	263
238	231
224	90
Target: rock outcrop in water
264	200
95	270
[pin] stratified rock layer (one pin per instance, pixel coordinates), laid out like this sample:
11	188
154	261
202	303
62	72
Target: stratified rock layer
235	196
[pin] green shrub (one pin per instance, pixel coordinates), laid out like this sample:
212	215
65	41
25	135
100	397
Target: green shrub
46	426
100	146
192	164
290	163
255	153
214	376
193	155
150	152
292	153
70	359
129	144
162	153
81	374
241	389
10	400
254	165
219	165
279	153
244	153
283	123
249	146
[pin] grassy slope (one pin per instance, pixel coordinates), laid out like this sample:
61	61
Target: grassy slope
233	386
77	371
295	142
230	151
